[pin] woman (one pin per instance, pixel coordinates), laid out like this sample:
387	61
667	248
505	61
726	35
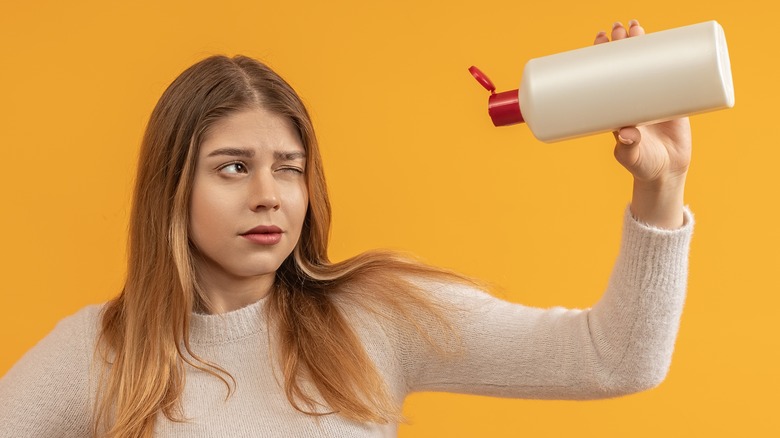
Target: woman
233	322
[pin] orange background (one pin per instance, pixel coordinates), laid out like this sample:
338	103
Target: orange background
414	164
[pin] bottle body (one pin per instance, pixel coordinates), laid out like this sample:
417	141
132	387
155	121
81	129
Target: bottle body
634	81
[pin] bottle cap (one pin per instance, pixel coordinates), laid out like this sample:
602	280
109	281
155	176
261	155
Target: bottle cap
482	79
504	107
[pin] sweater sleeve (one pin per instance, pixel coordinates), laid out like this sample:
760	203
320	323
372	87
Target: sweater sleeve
46	393
621	345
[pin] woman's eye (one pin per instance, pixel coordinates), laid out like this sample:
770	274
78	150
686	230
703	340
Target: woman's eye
292	170
233	168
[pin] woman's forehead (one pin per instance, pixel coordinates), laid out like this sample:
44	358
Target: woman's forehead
253	130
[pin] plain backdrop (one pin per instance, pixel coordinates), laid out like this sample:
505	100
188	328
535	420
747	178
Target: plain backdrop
413	163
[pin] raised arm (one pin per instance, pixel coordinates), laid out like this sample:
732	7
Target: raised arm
624	343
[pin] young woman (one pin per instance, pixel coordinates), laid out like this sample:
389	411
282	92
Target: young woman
233	322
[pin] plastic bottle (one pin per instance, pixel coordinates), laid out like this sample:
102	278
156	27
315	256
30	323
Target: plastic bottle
634	81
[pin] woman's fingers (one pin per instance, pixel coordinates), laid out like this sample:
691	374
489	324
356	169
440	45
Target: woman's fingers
626	150
628	136
601	38
619	32
635	29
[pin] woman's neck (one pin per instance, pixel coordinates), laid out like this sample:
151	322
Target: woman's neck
227	293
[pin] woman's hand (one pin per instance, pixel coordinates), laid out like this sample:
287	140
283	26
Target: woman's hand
657	156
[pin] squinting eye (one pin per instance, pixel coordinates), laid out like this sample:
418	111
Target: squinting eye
239	167
292	169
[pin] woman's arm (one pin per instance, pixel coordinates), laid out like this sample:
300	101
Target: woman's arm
624	343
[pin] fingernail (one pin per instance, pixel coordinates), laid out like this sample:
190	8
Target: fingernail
601	34
616	25
625	140
633	23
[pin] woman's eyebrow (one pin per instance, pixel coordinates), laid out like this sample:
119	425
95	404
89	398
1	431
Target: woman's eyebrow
249	153
289	156
233	152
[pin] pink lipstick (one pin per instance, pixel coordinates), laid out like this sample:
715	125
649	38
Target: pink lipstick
264	235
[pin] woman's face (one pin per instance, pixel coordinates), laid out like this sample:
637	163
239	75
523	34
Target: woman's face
249	198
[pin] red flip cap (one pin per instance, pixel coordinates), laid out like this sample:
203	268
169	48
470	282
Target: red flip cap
504	107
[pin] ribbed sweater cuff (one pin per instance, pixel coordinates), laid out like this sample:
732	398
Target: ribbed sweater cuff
646	246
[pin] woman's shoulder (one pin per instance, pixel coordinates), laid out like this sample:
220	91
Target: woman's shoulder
52	380
80	327
72	336
83	317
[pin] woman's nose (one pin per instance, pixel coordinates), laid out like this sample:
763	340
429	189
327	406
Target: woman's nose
264	193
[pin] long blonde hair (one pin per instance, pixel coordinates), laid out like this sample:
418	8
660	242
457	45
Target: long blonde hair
145	327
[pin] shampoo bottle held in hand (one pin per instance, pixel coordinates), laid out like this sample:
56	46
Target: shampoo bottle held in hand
634	81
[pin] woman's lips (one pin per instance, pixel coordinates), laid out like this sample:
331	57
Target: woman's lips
264	235
263	238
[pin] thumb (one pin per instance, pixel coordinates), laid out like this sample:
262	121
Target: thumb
627	139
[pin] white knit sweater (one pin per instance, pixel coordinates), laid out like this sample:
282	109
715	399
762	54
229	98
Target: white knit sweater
622	345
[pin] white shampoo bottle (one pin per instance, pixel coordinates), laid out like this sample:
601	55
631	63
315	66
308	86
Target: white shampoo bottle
634	81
